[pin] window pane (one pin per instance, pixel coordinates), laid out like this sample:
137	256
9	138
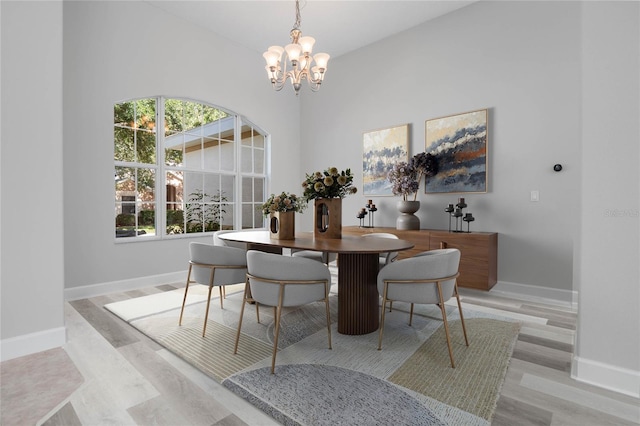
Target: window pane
258	190
258	161
123	146
211	186
173	116
259	219
174	181
146	184
247	216
175	219
227	156
247	160
227	216
247	189
147	219
211	154
258	140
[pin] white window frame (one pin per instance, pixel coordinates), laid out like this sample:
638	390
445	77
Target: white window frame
161	169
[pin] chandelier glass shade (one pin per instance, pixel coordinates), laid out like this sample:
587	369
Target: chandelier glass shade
300	65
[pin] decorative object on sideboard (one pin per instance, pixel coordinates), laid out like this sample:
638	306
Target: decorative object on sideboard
407	219
368	208
327	189
456	212
405	179
299	54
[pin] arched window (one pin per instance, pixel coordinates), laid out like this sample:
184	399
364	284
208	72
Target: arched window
204	171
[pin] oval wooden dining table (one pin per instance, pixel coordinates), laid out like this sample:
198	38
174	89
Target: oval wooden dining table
358	303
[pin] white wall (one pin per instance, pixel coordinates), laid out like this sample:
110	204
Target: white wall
519	59
119	50
32	275
608	345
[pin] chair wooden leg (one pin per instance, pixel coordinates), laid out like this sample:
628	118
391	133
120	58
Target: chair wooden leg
257	312
220	289
277	330
411	315
244	302
326	302
446	324
206	313
186	289
384	304
464	329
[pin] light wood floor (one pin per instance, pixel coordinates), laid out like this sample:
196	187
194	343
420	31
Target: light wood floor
127	379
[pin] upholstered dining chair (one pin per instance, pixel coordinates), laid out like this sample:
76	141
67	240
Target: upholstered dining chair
319	256
427	278
385	258
212	265
284	281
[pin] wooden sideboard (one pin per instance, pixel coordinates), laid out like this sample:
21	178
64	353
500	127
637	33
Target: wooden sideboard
479	251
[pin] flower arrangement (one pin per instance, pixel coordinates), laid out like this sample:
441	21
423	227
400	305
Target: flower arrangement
328	184
405	176
284	202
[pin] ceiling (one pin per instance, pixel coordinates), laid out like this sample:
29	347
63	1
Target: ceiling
339	27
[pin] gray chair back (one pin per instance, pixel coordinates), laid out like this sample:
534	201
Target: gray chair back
274	267
202	255
429	265
385	258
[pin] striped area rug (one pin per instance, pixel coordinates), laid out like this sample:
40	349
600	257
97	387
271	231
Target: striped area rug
414	360
474	384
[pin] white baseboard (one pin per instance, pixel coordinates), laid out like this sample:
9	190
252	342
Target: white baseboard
534	293
94	290
606	376
28	344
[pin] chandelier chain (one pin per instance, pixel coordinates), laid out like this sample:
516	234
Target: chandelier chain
296	26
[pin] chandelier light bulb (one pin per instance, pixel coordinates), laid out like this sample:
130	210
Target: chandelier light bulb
293	52
272	58
321	60
307	44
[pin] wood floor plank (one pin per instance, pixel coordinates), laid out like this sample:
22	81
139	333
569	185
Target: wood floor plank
115	332
65	416
177	391
158	412
553	344
551	358
511	412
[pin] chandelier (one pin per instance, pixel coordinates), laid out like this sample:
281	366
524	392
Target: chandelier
299	55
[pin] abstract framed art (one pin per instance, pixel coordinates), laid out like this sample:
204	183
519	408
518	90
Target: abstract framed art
381	149
460	143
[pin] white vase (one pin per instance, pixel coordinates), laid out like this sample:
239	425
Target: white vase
408	220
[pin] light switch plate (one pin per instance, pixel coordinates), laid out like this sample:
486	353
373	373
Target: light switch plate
535	195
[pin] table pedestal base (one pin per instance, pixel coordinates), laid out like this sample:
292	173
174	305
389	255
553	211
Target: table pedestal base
358	310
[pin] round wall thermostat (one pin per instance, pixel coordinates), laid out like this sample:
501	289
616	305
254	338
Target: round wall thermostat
557	167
